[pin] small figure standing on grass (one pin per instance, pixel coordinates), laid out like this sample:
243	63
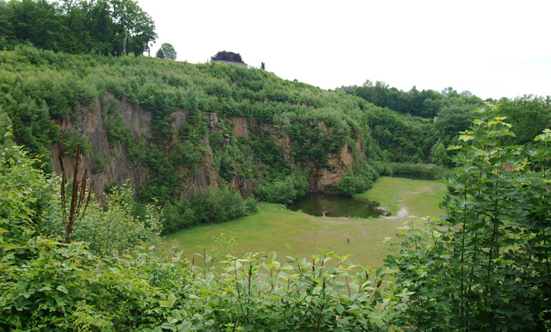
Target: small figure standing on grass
348	240
325	213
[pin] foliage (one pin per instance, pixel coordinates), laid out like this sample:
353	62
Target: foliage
71	139
486	261
529	116
452	120
357	181
439	155
422	171
51	286
112	229
283	190
402	138
426	103
166	51
5	124
227	56
207	206
98	163
25	201
108	27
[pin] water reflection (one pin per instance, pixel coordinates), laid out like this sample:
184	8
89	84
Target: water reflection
336	206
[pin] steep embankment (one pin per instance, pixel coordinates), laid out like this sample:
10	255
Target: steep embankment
173	128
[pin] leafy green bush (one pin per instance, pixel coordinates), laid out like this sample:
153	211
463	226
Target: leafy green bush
26	201
356	181
284	190
116	130
424	171
485	261
112	229
98	163
207	206
71	139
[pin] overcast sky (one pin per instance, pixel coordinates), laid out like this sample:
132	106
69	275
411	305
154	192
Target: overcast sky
491	48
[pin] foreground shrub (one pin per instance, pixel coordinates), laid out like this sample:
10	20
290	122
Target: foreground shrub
66	288
47	285
113	229
485	266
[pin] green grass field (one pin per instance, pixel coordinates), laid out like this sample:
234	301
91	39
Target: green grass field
419	197
275	226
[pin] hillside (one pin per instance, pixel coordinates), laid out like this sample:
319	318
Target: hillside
165	146
194	140
174	129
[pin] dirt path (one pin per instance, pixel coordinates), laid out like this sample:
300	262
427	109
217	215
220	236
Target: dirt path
424	190
401	214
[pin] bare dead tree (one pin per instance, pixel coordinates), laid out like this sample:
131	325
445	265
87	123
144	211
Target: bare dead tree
80	197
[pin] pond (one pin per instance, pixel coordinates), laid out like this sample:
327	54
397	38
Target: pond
337	206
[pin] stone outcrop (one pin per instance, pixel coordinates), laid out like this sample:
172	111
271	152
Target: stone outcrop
119	167
340	163
204	176
282	140
240	127
243	185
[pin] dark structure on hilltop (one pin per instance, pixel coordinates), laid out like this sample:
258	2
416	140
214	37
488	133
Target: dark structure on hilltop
228	57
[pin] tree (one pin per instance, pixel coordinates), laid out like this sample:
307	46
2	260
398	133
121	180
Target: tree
487	261
77	26
135	28
166	51
36	22
227	56
529	116
452	120
439	155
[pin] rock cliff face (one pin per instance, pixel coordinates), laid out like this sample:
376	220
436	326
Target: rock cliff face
205	175
119	167
319	178
340	163
240	127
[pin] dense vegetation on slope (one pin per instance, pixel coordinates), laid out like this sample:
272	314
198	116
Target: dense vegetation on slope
446	114
88	285
45	95
425	103
485	266
291	132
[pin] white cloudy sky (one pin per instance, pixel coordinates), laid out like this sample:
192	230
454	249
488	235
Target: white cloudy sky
491	48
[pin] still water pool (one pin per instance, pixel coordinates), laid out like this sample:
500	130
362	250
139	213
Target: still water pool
337	206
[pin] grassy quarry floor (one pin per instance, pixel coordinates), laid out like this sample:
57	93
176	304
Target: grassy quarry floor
274	226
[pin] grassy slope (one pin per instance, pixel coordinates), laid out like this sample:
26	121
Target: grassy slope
274	226
420	197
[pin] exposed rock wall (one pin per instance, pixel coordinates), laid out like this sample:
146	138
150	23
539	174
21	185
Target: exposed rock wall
204	176
120	168
340	164
282	140
243	185
240	127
